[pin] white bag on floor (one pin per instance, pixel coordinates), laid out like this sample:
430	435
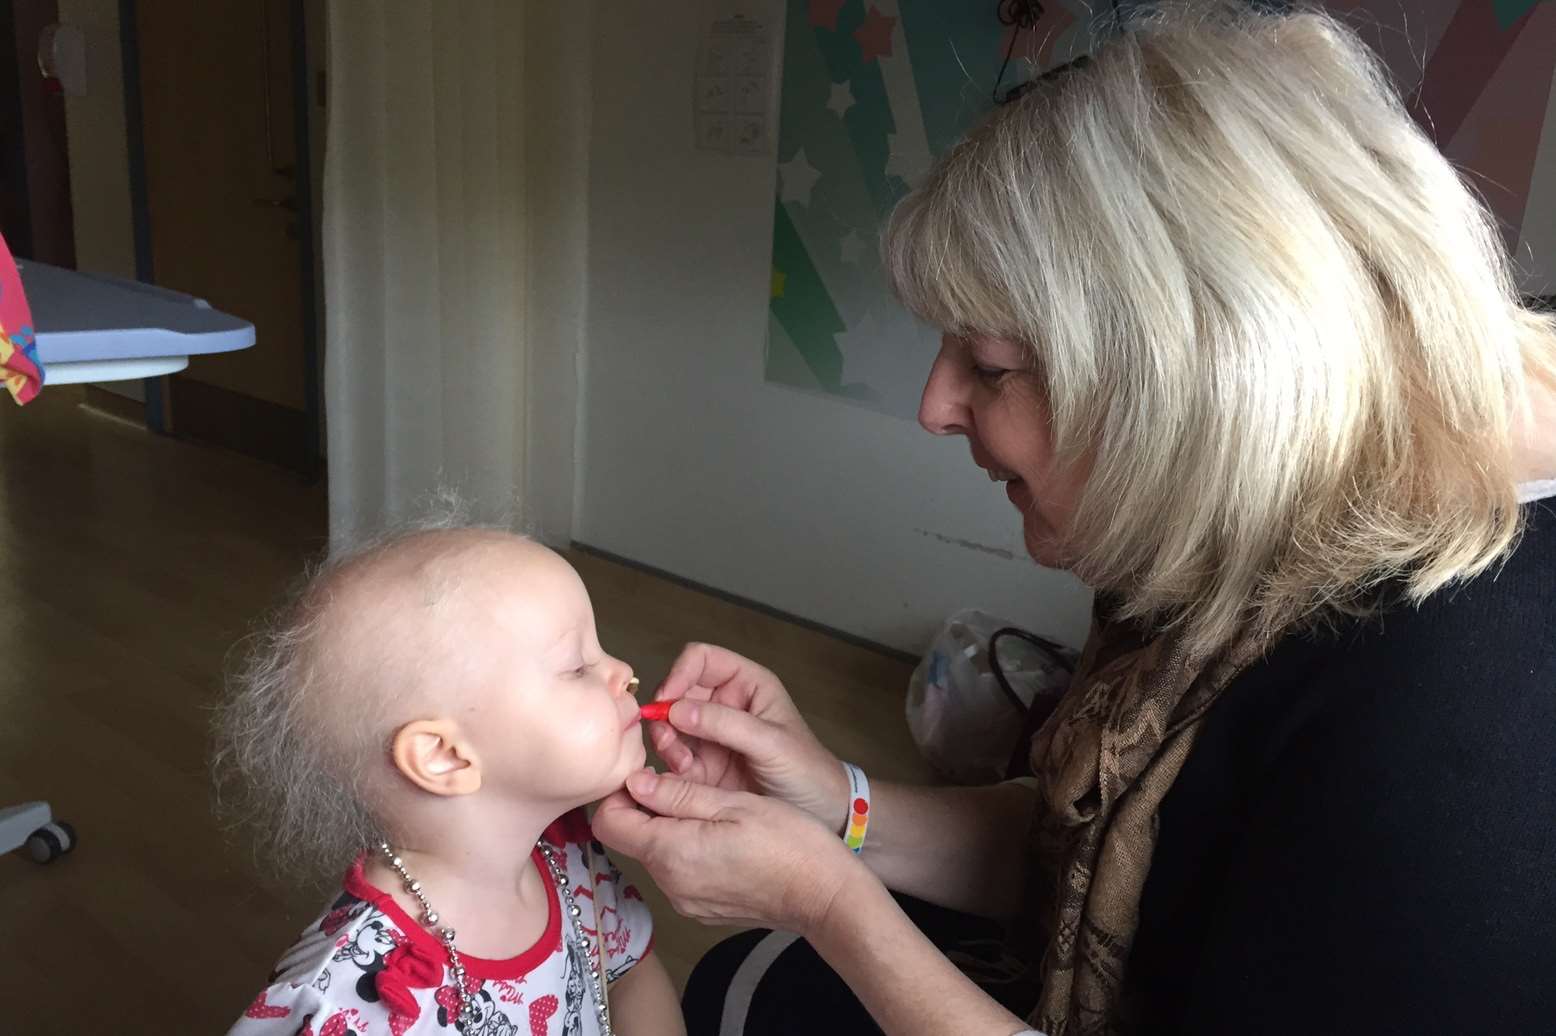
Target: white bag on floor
963	717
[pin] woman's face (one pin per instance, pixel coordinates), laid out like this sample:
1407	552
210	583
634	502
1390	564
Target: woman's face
984	388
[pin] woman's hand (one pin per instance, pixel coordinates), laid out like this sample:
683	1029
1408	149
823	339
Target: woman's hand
737	729
728	857
733	727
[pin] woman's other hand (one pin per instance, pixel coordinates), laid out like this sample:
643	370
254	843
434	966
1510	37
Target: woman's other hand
728	857
736	728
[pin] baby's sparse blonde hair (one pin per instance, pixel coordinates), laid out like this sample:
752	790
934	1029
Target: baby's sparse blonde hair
1267	310
307	713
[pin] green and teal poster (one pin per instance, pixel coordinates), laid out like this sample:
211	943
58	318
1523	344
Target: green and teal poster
872	92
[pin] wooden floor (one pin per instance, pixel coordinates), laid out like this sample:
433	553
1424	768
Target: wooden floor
129	565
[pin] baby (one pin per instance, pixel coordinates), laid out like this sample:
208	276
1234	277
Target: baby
434	711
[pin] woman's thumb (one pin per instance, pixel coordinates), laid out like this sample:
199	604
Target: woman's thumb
670	796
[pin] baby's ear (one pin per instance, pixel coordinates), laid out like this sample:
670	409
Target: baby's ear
434	756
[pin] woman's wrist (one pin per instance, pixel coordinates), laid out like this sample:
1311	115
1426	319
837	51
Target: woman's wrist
907	985
847	904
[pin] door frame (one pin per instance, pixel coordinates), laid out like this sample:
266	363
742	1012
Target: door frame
39	213
159	415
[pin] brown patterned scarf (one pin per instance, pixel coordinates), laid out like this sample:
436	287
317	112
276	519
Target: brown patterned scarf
1104	760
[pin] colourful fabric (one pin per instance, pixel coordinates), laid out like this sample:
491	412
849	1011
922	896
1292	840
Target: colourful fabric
18	346
365	966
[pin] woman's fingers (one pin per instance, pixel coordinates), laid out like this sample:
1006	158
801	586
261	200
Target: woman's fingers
693	759
666	739
706	666
709	721
677	753
735	729
724	856
670	796
698	665
620	824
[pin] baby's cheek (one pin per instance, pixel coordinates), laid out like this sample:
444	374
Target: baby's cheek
595	727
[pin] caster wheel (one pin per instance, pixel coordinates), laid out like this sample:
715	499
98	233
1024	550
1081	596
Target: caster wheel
51	841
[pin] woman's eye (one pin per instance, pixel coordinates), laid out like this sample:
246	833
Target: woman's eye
989	374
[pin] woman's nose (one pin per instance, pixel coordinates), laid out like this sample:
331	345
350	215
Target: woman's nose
943	410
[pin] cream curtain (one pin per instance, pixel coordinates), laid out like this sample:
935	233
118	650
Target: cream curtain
427	365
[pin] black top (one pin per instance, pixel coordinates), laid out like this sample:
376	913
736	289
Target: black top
1364	837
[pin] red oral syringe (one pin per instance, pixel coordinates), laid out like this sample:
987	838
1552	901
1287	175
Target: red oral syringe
656	710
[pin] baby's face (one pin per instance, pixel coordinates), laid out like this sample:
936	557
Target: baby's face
551	713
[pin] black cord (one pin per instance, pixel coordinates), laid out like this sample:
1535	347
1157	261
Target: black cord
1031	717
1056	650
1022	15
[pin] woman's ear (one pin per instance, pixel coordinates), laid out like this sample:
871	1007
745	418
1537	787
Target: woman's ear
433	756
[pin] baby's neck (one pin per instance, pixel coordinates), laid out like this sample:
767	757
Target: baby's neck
480	878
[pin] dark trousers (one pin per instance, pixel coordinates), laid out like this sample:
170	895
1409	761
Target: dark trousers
767	984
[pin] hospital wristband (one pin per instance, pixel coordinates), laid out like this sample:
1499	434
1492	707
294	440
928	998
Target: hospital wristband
858	808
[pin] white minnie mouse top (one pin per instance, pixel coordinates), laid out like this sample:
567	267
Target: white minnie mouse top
366	966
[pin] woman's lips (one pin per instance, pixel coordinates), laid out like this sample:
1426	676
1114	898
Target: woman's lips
1015	488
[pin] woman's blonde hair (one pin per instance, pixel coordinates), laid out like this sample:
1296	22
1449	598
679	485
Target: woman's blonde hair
1269	314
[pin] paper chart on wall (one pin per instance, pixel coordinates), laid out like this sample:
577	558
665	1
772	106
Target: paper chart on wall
734	77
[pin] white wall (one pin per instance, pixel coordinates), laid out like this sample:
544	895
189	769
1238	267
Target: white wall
693	463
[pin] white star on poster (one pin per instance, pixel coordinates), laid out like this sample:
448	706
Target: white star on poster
887	352
909	165
798	177
842	98
859	344
852	247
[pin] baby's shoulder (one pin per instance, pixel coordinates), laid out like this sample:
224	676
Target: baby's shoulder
349	930
322	974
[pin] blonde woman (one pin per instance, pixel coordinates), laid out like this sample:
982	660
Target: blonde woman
1247	357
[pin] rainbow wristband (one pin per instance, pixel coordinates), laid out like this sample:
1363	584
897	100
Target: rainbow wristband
858	808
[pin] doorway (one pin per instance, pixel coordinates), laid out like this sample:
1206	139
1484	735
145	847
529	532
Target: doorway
35	212
227	113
